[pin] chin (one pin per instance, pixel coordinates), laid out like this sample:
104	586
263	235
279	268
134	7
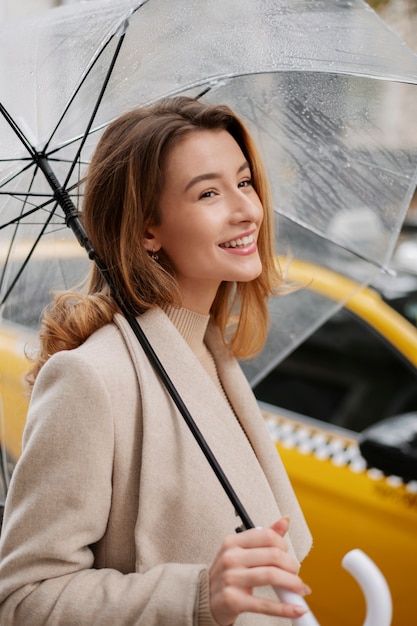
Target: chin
249	277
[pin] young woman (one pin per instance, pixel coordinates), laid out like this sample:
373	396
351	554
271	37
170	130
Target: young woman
114	516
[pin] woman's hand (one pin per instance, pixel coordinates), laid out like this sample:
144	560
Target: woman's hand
254	558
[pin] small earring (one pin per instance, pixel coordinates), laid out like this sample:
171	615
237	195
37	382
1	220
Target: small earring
154	256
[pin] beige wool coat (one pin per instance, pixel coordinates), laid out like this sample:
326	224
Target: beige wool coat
114	515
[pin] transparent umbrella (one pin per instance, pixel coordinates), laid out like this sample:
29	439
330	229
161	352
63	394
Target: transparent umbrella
325	87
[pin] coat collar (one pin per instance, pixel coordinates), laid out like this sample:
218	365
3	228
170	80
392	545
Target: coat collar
207	406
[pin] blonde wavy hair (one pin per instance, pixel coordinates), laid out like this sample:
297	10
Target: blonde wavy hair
121	201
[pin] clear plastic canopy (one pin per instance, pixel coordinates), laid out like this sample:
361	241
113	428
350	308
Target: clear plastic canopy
328	91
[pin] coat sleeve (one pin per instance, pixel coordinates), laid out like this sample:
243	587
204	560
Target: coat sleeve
58	507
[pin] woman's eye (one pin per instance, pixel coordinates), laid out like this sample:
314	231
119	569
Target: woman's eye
207	194
246	183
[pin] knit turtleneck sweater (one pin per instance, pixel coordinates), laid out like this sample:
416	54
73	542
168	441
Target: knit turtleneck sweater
192	326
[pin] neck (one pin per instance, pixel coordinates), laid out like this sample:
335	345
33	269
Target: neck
199	298
191	325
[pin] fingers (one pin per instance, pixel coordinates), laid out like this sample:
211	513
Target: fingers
234	603
282	525
263	575
259	556
257	547
254	558
260	537
256	566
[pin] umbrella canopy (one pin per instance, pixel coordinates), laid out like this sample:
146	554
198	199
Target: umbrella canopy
324	86
313	79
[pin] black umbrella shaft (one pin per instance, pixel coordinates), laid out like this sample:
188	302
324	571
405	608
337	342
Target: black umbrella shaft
61	196
74	222
150	353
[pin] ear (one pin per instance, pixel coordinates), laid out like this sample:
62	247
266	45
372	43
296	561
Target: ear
150	241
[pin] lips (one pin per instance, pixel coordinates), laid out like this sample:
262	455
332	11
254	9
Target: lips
240	242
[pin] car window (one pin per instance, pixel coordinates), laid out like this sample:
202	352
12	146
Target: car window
344	374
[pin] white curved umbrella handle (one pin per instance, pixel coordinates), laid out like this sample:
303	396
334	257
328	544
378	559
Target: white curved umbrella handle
374	587
372	582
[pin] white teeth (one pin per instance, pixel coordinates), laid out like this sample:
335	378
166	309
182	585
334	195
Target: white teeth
234	243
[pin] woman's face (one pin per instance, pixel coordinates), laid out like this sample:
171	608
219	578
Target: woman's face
210	217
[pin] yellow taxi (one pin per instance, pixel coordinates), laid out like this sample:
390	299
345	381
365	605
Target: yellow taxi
13	394
342	402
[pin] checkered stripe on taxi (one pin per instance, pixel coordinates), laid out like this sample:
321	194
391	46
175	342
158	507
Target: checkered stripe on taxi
327	446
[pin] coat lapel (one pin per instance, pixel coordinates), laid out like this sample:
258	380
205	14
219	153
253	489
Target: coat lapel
265	493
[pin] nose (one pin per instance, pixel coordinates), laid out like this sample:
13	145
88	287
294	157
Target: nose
246	206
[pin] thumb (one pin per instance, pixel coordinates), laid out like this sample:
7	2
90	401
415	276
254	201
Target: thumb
282	525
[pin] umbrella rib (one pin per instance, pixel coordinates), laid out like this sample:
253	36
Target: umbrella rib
17	130
11	246
11	160
98	102
106	80
74	95
42	160
20	217
28	194
124	25
26	261
16	174
67	143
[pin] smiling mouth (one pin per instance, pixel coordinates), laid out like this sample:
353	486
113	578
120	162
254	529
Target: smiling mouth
239	242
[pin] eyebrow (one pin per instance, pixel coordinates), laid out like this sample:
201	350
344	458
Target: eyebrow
213	175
